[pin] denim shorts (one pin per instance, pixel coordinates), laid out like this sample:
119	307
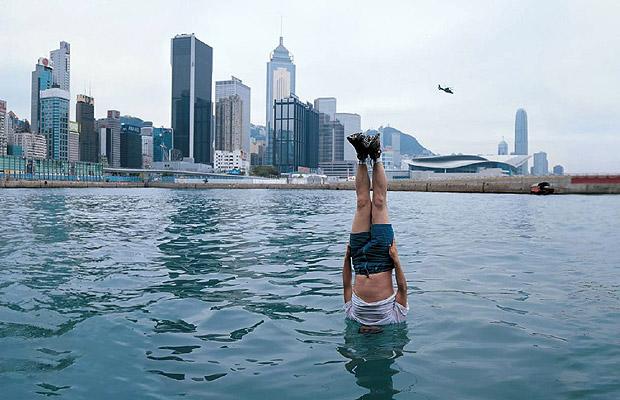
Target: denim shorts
370	251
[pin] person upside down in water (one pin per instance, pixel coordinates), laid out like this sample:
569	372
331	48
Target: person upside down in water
371	299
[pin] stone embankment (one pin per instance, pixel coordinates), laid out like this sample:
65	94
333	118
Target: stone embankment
599	184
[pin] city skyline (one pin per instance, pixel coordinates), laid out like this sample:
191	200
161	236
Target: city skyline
387	77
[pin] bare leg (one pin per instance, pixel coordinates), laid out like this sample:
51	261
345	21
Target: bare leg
379	195
362	218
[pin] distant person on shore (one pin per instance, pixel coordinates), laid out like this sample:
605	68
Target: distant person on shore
371	299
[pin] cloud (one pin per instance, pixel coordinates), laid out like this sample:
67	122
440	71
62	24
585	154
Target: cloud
383	60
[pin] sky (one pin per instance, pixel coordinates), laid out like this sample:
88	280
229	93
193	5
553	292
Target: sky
558	60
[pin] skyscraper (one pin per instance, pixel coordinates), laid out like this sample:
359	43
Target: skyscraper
231	87
61	62
192	78
280	85
54	122
521	137
229	123
85	117
331	139
541	165
109	132
295	137
352	123
131	146
502	148
326	105
42	79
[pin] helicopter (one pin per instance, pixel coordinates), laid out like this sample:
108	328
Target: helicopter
446	89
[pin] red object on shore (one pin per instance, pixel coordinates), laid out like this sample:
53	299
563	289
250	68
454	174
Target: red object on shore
601	179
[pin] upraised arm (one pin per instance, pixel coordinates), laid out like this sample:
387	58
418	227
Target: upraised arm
401	281
347	275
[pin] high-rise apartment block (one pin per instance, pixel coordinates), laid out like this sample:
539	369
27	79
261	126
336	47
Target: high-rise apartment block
235	87
229	123
192	77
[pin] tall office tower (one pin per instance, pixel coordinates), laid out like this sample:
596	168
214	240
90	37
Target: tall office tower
331	139
54	122
109	132
326	105
295	135
131	146
352	123
229	123
280	85
192	78
541	165
42	79
3	128
163	143
521	137
89	138
231	87
502	148
74	141
61	61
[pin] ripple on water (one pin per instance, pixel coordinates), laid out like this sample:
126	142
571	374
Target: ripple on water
145	293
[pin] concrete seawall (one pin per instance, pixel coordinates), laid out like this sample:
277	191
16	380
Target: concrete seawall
515	184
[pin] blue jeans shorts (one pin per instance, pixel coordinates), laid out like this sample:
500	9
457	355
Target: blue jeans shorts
370	251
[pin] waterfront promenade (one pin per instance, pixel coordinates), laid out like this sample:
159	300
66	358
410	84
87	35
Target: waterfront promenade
568	184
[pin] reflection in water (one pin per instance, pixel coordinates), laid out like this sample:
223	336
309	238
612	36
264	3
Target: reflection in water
372	356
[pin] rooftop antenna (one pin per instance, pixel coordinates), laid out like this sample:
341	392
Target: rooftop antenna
281	23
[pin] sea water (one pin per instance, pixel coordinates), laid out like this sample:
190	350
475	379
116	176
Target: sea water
235	294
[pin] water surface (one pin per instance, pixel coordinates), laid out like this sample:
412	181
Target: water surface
158	294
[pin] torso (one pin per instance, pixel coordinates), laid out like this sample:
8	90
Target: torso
375	287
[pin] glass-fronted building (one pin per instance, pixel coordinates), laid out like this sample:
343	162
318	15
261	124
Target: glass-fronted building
42	79
54	122
85	117
163	143
468	164
295	136
192	80
20	168
280	85
521	147
131	146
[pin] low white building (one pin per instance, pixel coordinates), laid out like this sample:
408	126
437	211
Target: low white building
33	145
225	161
